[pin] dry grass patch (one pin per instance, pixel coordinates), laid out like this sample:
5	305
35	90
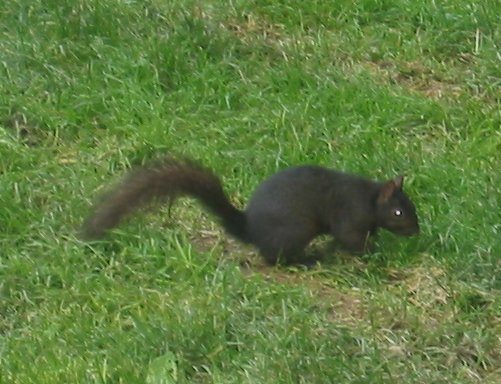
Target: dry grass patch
251	26
416	77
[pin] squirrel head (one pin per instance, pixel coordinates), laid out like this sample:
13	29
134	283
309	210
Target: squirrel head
395	211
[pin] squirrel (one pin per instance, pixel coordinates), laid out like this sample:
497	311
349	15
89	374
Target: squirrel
286	212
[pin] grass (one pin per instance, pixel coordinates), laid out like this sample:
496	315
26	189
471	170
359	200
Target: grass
90	88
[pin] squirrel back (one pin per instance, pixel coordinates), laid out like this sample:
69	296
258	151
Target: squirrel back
284	214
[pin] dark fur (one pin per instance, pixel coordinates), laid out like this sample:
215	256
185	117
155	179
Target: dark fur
286	212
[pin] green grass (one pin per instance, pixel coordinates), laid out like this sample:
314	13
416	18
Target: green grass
90	88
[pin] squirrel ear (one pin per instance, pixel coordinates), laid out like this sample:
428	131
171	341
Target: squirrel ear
388	188
399	182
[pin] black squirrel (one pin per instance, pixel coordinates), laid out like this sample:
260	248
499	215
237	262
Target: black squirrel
286	212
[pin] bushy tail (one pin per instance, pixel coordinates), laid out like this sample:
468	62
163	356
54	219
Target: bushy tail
165	181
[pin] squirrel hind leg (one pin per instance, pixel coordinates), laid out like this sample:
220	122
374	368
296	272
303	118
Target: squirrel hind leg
282	243
278	256
283	253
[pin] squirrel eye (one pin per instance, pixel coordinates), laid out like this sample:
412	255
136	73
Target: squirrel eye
397	212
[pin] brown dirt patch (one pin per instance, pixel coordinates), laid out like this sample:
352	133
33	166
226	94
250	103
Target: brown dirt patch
416	77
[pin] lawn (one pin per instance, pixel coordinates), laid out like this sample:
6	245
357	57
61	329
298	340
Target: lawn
91	88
